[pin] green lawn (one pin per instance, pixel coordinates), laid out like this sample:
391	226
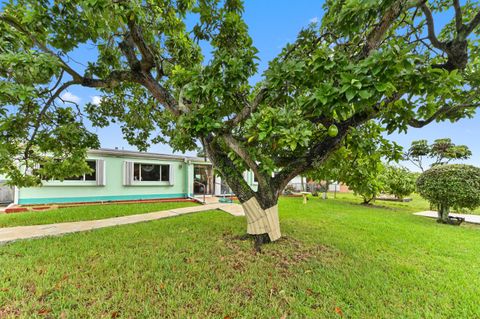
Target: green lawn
416	205
337	258
72	214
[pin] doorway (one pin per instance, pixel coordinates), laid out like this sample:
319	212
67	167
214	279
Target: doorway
203	180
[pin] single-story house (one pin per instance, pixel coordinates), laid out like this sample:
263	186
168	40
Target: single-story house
129	175
120	175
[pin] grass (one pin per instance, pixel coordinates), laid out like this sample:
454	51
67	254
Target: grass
72	214
337	258
416	205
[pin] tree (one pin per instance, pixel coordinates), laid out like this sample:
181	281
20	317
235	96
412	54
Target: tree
398	181
450	186
358	163
368	60
442	151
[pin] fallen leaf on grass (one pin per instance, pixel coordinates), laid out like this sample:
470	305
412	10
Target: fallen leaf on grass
339	311
44	311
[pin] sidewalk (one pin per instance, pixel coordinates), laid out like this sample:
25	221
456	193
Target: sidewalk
9	234
474	219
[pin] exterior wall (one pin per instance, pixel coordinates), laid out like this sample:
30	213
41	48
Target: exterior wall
344	188
249	177
80	191
114	188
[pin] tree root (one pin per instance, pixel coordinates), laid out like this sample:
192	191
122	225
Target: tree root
456	221
258	240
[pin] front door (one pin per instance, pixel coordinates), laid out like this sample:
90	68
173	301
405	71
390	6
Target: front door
203	180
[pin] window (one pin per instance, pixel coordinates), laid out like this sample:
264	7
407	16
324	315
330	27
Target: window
151	172
86	177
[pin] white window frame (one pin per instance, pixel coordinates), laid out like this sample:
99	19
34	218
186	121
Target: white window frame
128	173
84	180
155	164
99	180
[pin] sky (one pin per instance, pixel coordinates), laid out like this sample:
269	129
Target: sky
272	24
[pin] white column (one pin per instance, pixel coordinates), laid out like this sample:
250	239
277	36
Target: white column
16	194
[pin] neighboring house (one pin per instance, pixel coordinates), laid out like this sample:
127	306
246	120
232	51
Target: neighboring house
128	175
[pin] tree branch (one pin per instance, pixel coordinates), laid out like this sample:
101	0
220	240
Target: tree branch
42	113
161	94
148	59
14	24
473	24
248	108
231	142
321	151
228	169
458	16
376	36
431	27
445	110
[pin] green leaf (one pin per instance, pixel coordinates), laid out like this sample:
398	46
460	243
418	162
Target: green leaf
365	94
350	94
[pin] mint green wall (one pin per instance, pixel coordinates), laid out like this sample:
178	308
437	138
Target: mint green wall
70	191
79	191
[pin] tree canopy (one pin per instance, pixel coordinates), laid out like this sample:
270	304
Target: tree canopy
441	151
391	62
450	186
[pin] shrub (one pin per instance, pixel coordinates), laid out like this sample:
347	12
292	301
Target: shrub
399	181
450	186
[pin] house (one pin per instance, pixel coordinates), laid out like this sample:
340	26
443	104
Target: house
129	175
120	175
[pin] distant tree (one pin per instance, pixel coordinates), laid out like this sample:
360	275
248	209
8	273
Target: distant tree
358	163
398	181
442	151
450	186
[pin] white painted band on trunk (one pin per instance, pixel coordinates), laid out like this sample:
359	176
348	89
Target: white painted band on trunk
260	221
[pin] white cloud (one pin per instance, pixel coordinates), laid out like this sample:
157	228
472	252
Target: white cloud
314	20
69	97
96	99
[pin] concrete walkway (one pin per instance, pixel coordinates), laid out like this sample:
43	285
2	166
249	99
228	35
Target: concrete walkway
9	234
474	219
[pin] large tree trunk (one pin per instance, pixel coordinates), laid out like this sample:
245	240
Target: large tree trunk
262	221
261	209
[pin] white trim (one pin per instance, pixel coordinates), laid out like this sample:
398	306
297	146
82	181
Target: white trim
67	183
74	182
153	156
171	178
149	183
170	167
16	195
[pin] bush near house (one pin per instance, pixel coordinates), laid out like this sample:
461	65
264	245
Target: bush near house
450	186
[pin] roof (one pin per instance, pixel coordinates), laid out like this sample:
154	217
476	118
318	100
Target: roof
126	153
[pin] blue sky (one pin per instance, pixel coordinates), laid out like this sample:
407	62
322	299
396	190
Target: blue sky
272	24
